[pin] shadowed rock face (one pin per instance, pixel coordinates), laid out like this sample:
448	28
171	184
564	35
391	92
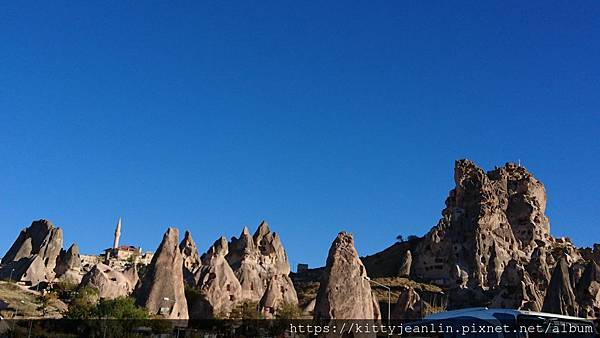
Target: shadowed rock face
559	296
280	291
68	266
409	305
516	290
489	219
219	288
344	291
109	282
162	289
34	254
588	291
191	259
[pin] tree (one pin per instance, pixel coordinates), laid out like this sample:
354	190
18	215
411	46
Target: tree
82	304
246	310
400	238
289	311
43	302
119	308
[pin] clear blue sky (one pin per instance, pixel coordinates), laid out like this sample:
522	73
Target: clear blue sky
317	116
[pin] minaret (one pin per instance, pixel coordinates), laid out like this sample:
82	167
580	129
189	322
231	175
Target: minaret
117	234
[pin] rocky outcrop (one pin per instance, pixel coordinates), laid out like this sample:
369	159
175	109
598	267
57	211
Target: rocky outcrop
404	270
191	259
516	290
489	219
344	291
538	268
110	283
32	257
588	291
68	266
279	292
258	261
409	305
161	290
219	288
244	259
559	296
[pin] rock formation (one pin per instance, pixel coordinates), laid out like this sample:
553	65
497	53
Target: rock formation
32	257
161	290
490	218
344	292
406	259
409	305
220	290
244	259
68	266
559	296
516	290
191	259
538	268
279	292
259	260
588	291
110	283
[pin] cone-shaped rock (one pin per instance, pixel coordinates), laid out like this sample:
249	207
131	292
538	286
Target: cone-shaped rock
560	298
161	291
110	283
219	288
279	292
344	292
32	257
191	259
256	260
243	257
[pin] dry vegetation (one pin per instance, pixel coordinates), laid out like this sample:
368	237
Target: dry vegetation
16	299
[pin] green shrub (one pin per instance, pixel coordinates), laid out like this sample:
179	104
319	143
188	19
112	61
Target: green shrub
289	311
246	310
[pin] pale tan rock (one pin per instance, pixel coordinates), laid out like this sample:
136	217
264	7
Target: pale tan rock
219	289
191	259
110	283
161	291
259	260
279	292
344	291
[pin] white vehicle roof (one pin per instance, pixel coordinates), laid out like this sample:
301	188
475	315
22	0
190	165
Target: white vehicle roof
485	313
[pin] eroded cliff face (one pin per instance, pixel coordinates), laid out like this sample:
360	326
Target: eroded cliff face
489	219
33	256
492	247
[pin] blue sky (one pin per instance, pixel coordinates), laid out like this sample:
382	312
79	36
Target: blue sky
317	116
